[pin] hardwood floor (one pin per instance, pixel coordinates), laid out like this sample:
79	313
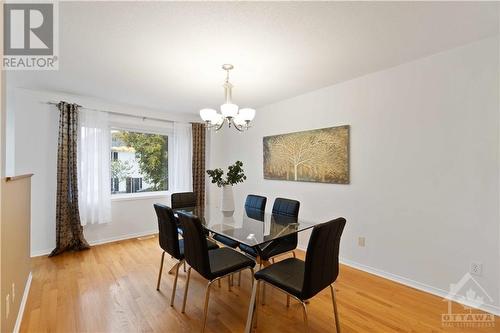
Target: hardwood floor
112	288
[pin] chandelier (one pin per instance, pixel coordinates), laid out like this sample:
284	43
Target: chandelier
229	112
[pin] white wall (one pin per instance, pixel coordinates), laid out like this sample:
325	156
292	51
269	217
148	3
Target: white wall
424	166
35	137
10	148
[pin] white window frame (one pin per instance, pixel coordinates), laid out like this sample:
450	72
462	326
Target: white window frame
146	126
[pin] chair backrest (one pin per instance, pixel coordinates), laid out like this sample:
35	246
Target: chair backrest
195	244
183	199
322	257
256	202
167	227
286	211
286	207
255	207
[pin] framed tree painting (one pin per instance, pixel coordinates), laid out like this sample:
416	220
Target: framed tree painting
320	155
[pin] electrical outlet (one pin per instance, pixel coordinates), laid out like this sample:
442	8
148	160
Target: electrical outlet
476	268
7	306
361	241
13	292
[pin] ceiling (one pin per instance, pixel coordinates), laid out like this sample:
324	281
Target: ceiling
167	55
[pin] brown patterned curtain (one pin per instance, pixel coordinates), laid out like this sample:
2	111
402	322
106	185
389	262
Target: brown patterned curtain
199	163
69	231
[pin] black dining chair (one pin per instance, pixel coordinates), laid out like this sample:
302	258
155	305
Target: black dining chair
212	265
303	280
169	242
255	205
284	211
183	199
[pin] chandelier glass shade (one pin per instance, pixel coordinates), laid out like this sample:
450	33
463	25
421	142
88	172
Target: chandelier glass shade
229	112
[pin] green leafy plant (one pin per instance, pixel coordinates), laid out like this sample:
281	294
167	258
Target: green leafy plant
235	175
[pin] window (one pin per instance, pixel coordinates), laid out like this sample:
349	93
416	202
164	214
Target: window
139	162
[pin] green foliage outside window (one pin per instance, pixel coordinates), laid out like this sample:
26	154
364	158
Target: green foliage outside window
151	151
120	169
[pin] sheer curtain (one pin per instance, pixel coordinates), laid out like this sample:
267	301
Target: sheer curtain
94	180
180	168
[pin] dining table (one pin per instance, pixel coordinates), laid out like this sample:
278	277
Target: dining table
249	227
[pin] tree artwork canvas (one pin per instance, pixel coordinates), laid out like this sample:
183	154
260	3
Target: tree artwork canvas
320	155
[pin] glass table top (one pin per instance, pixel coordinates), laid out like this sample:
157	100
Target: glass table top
249	227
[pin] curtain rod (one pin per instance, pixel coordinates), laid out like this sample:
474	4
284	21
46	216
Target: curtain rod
119	113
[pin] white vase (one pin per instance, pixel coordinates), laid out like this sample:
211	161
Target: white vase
227	201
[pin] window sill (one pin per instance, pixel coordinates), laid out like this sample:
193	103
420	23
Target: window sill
139	196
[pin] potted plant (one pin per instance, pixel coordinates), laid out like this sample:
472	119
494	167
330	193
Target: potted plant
235	175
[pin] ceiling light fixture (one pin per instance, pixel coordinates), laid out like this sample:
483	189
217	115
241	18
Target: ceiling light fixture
229	112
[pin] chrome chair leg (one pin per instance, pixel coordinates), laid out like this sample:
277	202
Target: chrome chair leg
205	309
263	293
253	279
175	283
161	269
335	310
252	307
186	290
304	309
256	311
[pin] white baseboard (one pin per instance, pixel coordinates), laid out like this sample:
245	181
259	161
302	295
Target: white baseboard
101	241
123	237
20	313
40	253
418	285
